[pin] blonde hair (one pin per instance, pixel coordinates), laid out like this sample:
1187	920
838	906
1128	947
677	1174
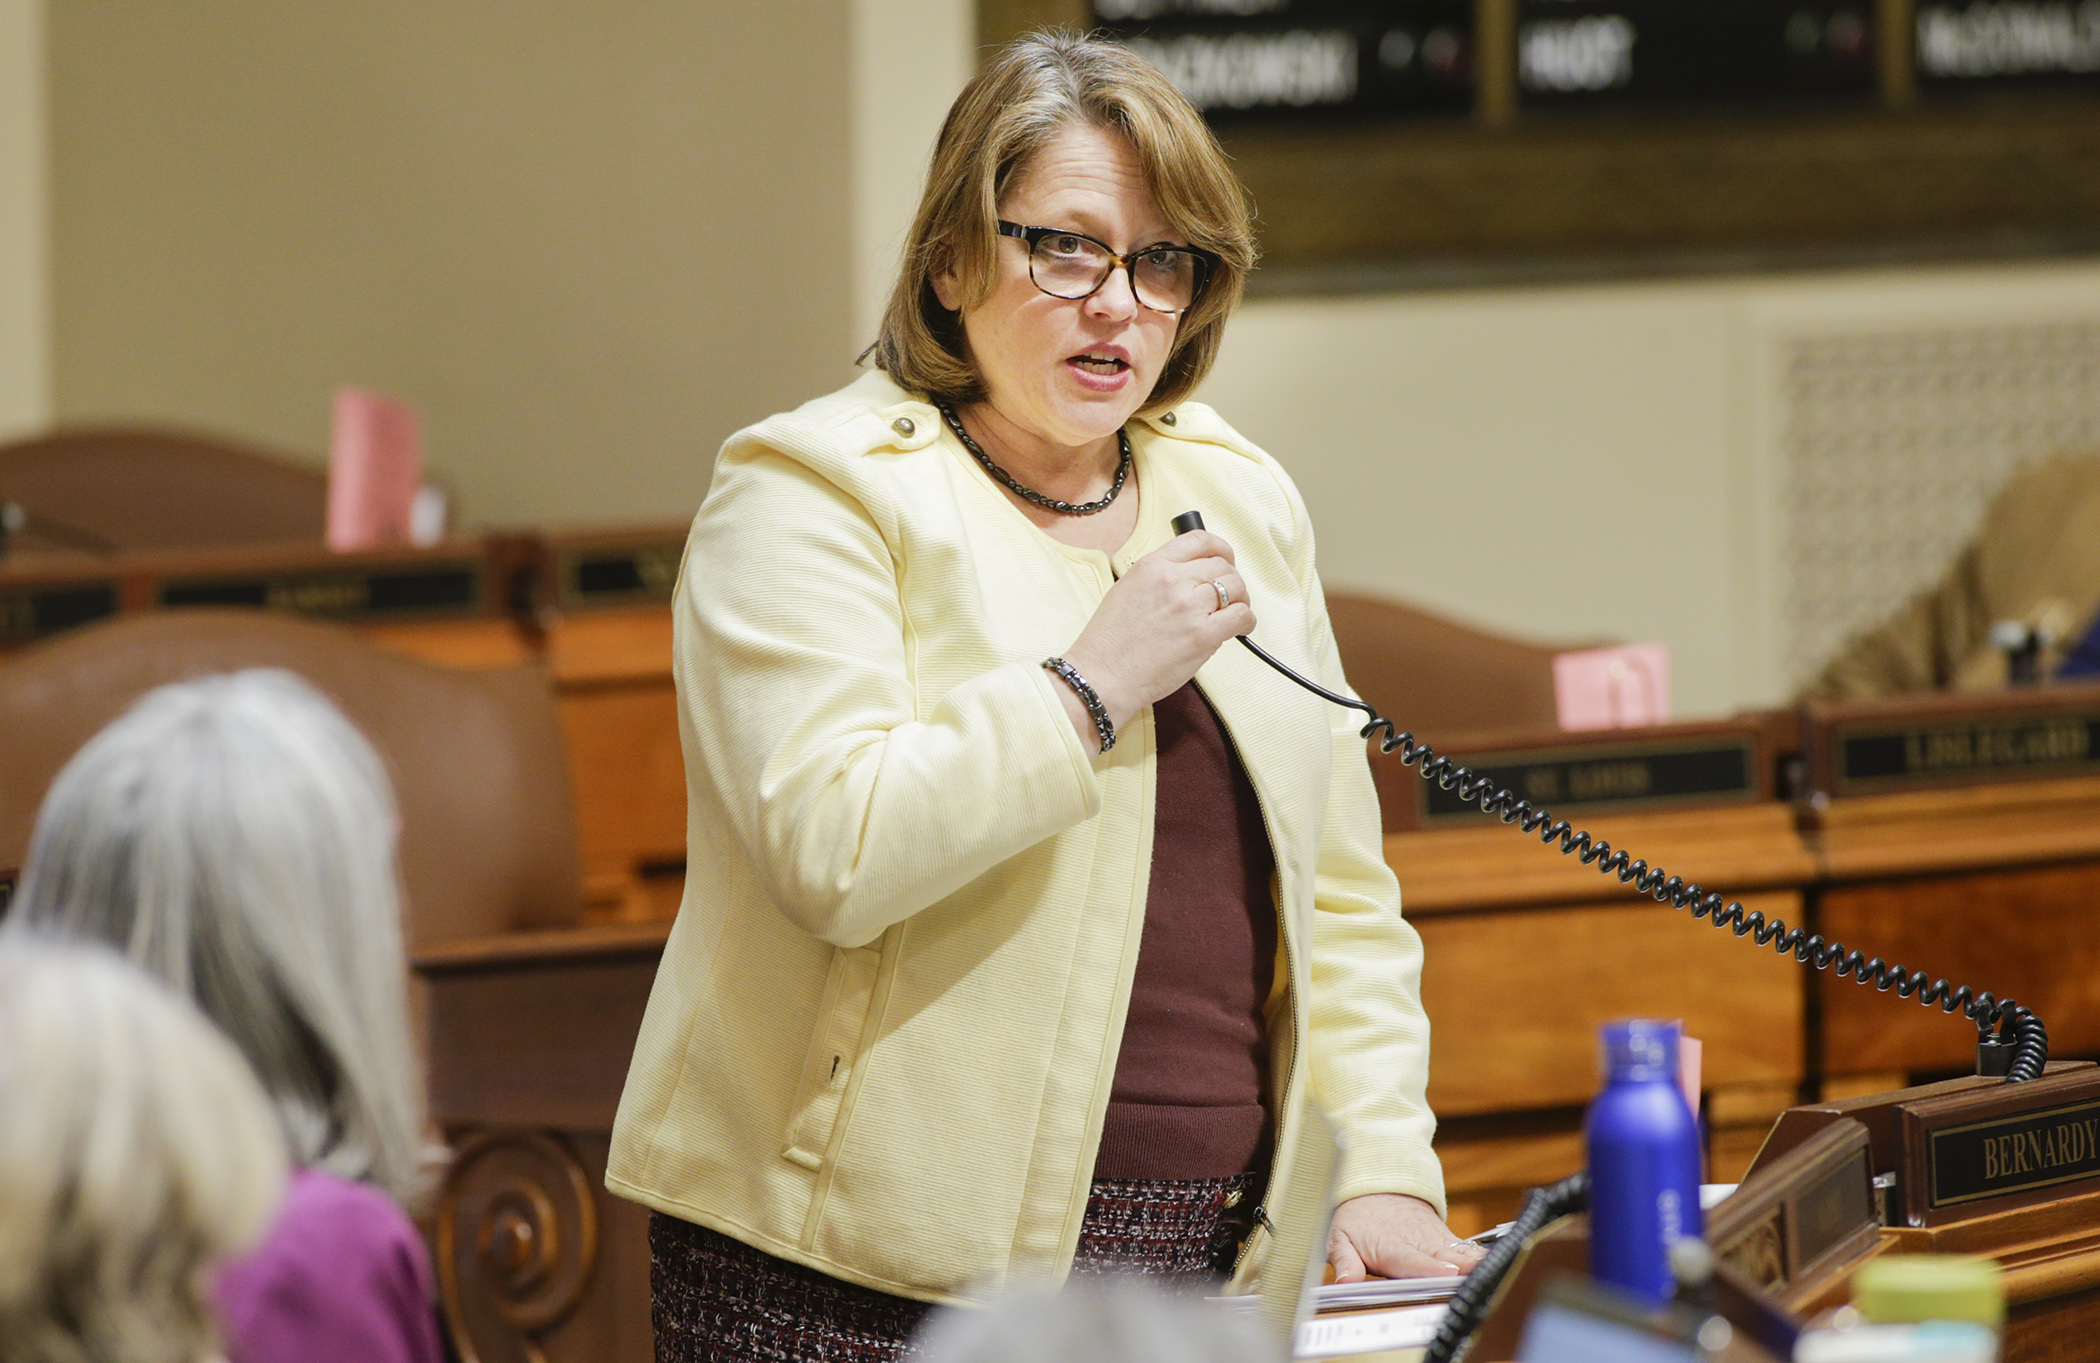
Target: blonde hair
1036	87
234	835
136	1152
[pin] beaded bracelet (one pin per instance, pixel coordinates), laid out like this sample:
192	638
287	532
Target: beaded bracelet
1087	697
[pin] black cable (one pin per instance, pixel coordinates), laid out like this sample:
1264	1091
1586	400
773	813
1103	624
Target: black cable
2018	1027
1470	1303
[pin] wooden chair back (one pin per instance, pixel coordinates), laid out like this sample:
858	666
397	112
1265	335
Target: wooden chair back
1438	677
111	489
488	840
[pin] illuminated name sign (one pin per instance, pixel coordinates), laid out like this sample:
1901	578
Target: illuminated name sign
1997	40
1297	57
1585	52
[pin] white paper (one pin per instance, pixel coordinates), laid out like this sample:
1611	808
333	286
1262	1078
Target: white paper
1363	1332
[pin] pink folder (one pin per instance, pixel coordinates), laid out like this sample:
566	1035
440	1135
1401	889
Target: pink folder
375	466
1612	688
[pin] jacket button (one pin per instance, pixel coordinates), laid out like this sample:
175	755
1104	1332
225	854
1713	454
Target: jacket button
904	426
1166	418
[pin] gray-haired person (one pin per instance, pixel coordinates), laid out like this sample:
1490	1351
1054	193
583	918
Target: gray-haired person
234	835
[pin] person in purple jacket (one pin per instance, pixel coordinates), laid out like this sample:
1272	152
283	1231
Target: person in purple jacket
234	835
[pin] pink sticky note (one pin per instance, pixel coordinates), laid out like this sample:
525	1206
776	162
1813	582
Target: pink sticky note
1688	1077
375	465
1612	688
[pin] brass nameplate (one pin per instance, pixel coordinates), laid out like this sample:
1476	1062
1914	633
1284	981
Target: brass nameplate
2014	1154
633	575
28	613
1645	775
1945	752
359	593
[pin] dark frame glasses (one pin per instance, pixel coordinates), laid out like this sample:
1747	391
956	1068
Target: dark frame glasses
1164	262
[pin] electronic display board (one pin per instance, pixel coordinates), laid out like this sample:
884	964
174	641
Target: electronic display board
1576	53
1985	43
1305	58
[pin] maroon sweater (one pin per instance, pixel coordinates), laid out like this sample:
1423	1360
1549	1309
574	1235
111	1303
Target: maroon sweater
1190	1098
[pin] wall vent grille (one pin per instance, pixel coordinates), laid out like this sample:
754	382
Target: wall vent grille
1894	443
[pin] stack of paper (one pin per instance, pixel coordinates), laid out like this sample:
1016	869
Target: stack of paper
1366	1332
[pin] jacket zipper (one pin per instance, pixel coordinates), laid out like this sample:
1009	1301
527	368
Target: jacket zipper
1283	935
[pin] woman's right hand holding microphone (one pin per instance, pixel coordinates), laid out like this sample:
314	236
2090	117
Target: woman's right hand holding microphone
1156	626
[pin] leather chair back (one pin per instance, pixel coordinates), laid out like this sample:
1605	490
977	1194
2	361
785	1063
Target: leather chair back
488	837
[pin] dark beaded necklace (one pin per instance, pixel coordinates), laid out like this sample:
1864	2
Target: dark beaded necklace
1061	507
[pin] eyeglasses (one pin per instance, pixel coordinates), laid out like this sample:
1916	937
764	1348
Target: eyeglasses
1067	264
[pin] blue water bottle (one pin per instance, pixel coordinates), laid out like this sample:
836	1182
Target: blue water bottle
1644	1160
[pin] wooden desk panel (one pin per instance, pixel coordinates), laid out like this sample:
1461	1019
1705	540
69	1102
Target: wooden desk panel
628	775
1732	850
456	643
1515	999
2029	932
616	644
530	1036
619	709
534	1029
1955	831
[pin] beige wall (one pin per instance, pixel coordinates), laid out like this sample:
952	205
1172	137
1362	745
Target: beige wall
585	240
910	59
1584	462
589	241
24	302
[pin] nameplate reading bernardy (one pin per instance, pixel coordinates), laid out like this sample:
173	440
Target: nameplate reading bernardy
1654	774
2015	1154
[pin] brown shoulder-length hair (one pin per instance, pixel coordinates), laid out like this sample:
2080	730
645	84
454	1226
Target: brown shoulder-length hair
1037	86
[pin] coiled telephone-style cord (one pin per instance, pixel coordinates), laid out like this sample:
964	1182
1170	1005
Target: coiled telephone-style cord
1470	1303
2018	1028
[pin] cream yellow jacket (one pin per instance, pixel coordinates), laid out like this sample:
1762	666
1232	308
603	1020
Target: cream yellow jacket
882	1037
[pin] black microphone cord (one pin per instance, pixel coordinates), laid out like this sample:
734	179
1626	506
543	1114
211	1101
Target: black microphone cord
1469	1305
2019	1031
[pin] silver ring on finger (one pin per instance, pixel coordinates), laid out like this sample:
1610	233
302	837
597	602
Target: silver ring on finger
1217	584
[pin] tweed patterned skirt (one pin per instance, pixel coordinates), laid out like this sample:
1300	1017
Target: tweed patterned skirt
717	1300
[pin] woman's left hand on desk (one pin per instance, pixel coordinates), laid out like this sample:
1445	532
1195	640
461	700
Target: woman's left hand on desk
1394	1236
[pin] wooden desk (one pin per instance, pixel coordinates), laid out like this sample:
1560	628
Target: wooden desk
1984	872
452	604
602	602
529	1039
1527	952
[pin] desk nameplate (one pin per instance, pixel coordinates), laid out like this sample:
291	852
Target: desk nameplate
392	591
2005	1146
588	576
1652	774
1919	755
1800	1220
29	613
1941	742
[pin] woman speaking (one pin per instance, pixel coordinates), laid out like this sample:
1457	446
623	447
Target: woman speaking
1021	919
